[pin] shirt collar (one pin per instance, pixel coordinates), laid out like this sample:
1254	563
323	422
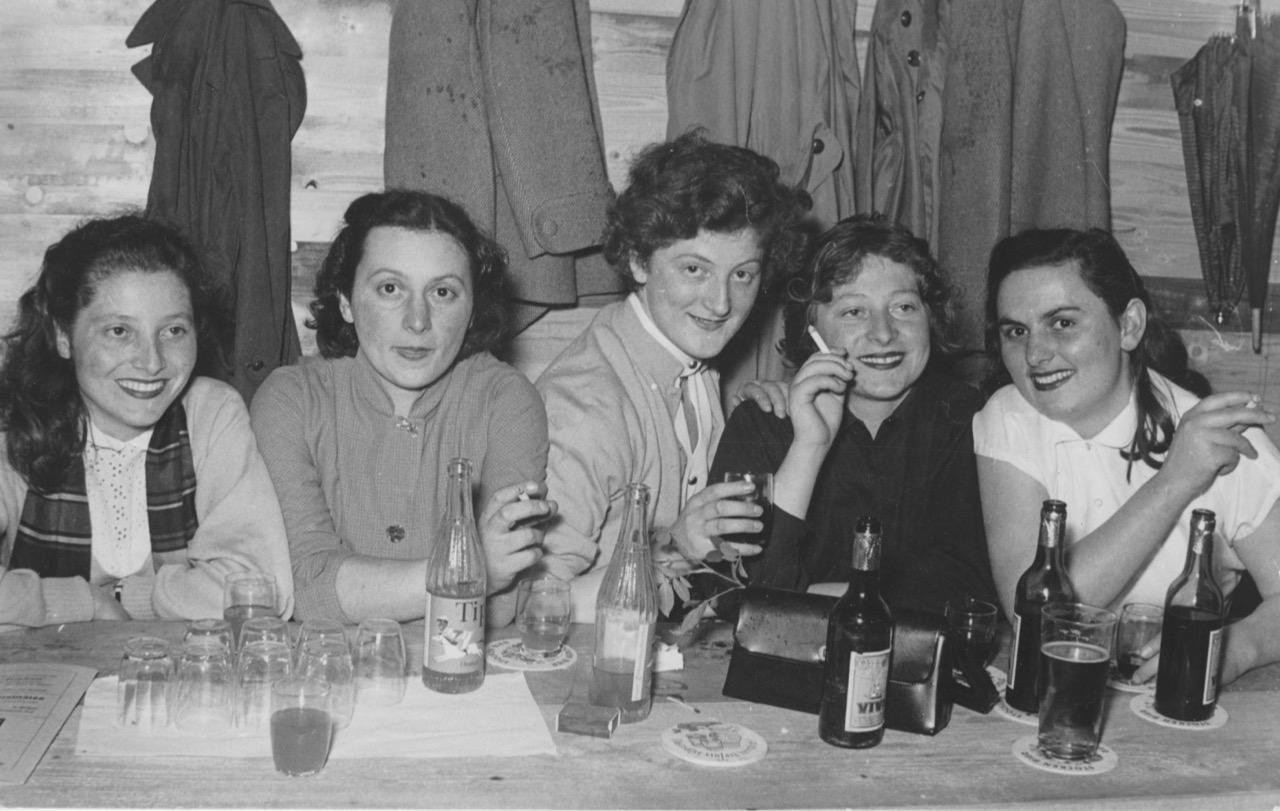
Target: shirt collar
1116	434
688	364
369	388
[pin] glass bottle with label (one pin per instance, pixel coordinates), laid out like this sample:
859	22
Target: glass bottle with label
453	653
626	616
1045	581
859	639
1191	638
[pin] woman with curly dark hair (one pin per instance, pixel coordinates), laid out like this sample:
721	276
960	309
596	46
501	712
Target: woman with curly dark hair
410	302
1099	415
130	485
873	426
698	233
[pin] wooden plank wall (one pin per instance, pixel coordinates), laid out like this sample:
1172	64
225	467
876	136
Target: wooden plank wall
75	141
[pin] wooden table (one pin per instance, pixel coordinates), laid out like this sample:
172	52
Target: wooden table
969	763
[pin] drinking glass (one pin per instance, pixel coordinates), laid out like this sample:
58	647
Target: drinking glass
146	677
320	629
330	662
264	629
1140	625
246	595
763	496
219	630
1075	657
259	665
543	607
971	626
379	662
205	686
301	727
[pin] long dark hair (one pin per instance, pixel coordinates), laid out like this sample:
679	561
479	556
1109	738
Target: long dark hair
416	211
837	257
680	187
1107	272
41	411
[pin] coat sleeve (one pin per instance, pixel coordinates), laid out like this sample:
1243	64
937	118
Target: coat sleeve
241	528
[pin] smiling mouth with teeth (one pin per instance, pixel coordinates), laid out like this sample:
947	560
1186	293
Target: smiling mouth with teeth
1050	379
138	387
881	361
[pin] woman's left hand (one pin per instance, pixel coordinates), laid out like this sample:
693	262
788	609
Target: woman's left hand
511	530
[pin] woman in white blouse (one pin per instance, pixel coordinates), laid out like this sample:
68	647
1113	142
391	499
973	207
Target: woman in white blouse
1097	415
129	485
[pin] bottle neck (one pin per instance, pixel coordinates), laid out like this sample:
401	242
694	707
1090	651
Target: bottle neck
458	494
1049	546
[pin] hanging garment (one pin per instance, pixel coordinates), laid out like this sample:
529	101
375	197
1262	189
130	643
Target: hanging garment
782	79
492	103
987	118
227	96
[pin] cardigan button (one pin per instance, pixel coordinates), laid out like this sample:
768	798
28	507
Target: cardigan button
905	19
913	58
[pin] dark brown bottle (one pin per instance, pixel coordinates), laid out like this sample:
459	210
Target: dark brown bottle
1191	639
859	640
1045	581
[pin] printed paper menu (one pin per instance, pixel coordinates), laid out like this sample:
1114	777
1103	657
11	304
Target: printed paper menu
35	701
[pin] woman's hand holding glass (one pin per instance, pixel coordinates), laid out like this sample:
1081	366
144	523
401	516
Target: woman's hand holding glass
511	530
719	509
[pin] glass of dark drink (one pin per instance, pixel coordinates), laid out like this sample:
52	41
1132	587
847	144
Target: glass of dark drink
1137	640
763	496
1076	641
246	595
971	627
301	728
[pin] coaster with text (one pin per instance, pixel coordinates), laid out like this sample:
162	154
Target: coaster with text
1031	719
1027	750
512	655
714	743
1144	706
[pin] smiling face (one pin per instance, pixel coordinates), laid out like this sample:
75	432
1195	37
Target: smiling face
134	349
880	319
1066	353
699	291
411	303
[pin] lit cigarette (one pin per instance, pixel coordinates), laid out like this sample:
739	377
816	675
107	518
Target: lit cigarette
817	339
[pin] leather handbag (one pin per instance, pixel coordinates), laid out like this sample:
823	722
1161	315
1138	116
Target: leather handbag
779	643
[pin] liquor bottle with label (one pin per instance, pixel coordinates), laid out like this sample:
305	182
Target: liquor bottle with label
626	616
1045	581
859	638
1191	639
453	653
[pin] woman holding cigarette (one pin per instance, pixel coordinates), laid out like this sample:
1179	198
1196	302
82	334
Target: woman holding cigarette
873	427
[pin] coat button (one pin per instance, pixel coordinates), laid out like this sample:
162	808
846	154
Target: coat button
919	97
817	146
905	19
257	365
913	58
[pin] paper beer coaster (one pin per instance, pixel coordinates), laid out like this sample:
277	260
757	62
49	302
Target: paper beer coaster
512	655
1144	706
714	743
1145	688
998	679
1031	719
1027	751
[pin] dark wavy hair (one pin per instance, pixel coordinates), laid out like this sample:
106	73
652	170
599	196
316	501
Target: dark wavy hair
41	411
416	211
837	257
1107	272
677	188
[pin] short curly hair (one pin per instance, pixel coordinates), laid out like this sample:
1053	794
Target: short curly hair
690	184
836	258
41	411
416	211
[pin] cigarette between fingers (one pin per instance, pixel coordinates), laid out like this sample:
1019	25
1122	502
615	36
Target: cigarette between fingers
1150	649
817	339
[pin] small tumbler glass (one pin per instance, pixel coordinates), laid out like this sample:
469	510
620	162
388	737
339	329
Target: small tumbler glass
146	679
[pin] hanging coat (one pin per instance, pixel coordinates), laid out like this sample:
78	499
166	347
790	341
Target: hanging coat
492	103
228	95
780	78
987	118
